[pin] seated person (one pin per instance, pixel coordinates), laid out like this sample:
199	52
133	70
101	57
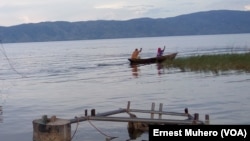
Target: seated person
135	54
160	52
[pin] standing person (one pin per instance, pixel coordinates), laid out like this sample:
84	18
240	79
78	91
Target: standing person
135	54
160	52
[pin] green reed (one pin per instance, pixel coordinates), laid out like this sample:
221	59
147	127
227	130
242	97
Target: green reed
217	62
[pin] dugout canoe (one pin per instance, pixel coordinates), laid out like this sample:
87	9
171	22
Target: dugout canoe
153	59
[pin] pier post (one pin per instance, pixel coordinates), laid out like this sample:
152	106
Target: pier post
196	118
186	111
160	110
92	112
152	110
86	112
207	119
128	106
51	129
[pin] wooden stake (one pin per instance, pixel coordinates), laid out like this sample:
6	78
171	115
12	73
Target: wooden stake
152	110
160	110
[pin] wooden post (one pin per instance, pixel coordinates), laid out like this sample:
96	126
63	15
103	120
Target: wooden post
152	110
93	112
186	110
86	112
196	118
128	106
207	119
53	129
160	110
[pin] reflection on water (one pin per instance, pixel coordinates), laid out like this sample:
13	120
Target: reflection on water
160	68
135	69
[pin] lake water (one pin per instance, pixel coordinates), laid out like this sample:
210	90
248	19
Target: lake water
65	78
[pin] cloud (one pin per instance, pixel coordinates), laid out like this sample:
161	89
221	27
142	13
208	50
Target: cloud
247	7
140	9
24	19
15	11
110	6
122	10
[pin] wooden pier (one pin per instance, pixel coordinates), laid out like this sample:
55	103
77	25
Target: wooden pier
59	129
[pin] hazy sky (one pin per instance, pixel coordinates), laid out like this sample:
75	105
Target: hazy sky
13	12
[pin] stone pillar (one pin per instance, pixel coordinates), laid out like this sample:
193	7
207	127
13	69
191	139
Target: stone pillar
52	129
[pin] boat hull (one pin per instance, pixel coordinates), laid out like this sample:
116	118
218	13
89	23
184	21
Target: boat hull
153	59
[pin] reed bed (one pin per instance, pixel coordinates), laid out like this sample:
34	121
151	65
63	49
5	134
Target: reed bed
217	62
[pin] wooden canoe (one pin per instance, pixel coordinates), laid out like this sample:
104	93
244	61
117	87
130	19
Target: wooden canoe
153	59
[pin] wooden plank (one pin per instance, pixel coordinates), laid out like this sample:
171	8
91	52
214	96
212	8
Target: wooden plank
75	120
144	120
158	112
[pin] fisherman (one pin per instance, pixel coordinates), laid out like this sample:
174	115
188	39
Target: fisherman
160	51
135	54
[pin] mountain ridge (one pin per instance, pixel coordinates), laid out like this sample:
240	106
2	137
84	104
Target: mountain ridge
199	23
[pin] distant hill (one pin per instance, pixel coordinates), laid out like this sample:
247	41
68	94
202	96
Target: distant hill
200	23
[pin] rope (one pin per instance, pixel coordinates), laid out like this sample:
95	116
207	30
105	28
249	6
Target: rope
76	128
108	138
7	58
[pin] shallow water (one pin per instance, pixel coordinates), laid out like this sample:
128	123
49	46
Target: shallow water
65	78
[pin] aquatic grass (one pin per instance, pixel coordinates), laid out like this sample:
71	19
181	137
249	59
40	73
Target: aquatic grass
217	62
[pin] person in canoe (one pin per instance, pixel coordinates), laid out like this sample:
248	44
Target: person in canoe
135	54
160	51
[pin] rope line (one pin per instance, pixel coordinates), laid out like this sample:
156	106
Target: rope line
7	58
76	128
109	137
